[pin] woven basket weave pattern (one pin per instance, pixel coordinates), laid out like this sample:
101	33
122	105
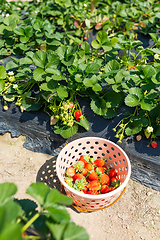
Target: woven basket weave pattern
97	148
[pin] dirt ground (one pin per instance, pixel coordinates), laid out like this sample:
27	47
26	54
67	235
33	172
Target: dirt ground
136	215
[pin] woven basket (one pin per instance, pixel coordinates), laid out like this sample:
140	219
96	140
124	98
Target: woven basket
97	148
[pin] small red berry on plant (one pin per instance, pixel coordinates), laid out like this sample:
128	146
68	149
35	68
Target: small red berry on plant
154	144
77	115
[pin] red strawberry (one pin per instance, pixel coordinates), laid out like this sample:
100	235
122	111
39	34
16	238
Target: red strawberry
154	144
100	169
90	192
85	172
111	188
99	162
85	189
83	160
78	176
77	115
114	182
93	175
112	173
70	172
89	166
105	179
94	185
104	189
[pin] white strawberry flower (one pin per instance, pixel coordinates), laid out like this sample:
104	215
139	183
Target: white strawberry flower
15	86
150	129
11	73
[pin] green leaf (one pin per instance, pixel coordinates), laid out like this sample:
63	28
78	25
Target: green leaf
54	196
11	65
7	190
28	31
147	104
53	61
92	68
65	131
39	58
3	73
111	66
86	47
62	92
84	123
136	91
2	85
12	211
74	232
149	71
39	191
97	87
111	112
113	99
98	106
102	37
131	100
9	98
57	230
78	78
11	231
31	104
24	39
59	214
39	74
95	44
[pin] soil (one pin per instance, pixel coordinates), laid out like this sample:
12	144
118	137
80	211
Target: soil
136	215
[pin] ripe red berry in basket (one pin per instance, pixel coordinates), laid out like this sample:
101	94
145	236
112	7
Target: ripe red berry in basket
70	172
100	170
105	189
78	176
105	179
94	185
85	172
83	160
112	173
89	166
114	182
90	192
77	115
99	162
93	175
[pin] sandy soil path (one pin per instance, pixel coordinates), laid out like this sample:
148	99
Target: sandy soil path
135	216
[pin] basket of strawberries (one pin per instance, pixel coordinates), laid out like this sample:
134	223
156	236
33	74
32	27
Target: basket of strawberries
93	171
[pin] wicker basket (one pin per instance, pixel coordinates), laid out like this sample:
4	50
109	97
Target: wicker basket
97	148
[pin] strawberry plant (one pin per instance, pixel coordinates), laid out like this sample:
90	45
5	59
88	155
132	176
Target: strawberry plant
54	63
20	217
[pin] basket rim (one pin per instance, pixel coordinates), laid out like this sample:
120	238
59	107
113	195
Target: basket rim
100	196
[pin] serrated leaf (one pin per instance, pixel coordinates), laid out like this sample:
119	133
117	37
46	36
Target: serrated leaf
95	44
74	232
98	106
111	66
39	74
78	78
131	100
62	92
86	47
136	91
97	87
111	112
57	230
11	65
84	123
102	37
54	196
2	85
59	214
147	104
132	129
3	73
92	68
149	71
31	104
39	191
7	190
113	99
9	98
39	58
65	131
